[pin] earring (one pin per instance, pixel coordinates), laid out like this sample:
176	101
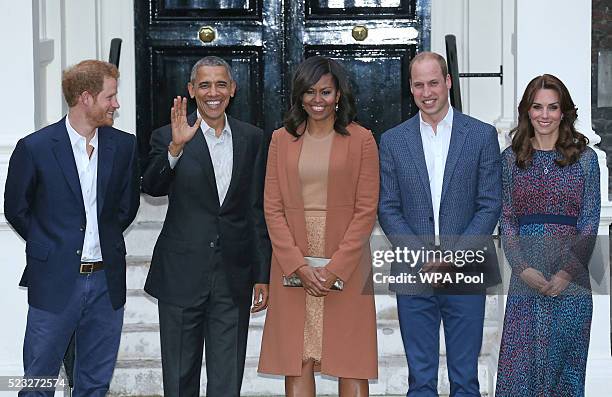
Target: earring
336	106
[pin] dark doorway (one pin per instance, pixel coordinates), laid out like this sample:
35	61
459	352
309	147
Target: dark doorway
264	40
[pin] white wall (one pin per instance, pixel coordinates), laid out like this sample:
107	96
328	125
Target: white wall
16	70
477	25
554	36
83	30
17	114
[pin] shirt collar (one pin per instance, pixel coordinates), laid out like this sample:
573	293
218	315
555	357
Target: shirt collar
447	120
76	138
206	129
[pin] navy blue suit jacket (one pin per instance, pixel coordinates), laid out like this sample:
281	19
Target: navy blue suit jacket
471	190
44	204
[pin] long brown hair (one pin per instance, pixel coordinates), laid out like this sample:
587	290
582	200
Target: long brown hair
570	142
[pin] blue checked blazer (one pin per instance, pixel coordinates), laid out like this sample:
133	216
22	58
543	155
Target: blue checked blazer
471	191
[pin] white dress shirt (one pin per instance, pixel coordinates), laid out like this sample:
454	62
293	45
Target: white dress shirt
88	177
221	153
435	148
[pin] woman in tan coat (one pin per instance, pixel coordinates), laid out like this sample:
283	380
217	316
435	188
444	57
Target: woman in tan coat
320	200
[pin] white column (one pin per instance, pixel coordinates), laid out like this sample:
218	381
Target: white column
507	118
17	70
599	365
81	30
17	106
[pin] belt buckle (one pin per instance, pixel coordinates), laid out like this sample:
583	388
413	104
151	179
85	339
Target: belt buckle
86	268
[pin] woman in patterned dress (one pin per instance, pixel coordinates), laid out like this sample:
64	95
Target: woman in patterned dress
550	217
320	200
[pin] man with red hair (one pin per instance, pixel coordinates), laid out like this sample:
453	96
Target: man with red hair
71	191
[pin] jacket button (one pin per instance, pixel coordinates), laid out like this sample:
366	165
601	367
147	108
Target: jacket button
78	252
212	244
82	228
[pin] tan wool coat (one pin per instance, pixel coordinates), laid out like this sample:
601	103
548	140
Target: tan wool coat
349	320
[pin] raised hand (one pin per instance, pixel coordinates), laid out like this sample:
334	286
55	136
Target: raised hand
182	132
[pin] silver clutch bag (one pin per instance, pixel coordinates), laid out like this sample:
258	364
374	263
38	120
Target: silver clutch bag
294	281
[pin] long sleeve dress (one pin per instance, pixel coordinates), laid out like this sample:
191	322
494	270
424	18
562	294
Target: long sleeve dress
313	168
339	330
550	218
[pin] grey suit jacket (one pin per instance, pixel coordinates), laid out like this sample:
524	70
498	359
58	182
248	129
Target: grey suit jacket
471	192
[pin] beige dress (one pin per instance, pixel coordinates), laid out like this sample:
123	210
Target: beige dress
313	169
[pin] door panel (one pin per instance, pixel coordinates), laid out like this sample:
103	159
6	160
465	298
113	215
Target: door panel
264	41
168	44
377	62
171	65
352	8
206	9
382	94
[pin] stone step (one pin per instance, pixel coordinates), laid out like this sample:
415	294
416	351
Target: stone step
138	371
141	237
138	267
141	341
144	377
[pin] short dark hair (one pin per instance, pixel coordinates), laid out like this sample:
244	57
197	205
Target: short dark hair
421	56
87	76
308	74
570	142
210	60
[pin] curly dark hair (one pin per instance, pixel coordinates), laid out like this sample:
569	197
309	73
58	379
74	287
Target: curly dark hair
308	74
570	142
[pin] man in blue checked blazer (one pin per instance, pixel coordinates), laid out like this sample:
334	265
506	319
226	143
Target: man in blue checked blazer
440	193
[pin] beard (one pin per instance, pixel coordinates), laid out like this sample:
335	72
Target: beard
99	118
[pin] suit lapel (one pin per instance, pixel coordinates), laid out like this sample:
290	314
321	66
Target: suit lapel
292	179
198	149
62	149
458	135
106	153
238	149
415	147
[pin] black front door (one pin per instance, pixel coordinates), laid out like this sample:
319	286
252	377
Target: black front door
264	40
